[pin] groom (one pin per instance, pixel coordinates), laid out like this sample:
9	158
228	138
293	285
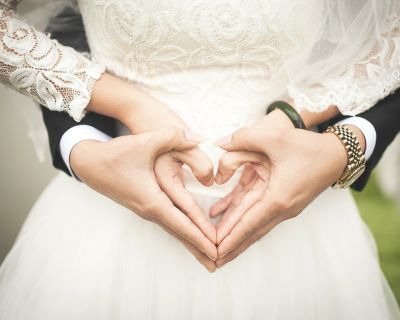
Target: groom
71	141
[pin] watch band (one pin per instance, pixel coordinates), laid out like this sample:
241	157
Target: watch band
291	112
355	157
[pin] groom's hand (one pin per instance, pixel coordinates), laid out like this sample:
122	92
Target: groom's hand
299	165
123	170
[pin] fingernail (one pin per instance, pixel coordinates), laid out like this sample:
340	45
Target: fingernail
193	136
211	258
224	140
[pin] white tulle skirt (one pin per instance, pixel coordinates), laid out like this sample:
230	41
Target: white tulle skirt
81	256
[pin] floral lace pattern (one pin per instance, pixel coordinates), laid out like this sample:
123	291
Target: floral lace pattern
362	85
53	75
211	61
213	47
169	45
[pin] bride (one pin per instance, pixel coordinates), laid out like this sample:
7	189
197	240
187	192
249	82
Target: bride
166	69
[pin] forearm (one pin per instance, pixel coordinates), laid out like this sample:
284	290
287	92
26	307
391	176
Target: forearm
53	75
312	119
136	109
278	119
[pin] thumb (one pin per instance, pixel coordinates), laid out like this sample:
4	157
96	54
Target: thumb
171	138
231	161
245	139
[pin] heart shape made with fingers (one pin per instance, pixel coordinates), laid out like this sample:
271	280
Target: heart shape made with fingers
213	187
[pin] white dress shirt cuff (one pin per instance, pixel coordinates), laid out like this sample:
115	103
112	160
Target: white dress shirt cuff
76	134
368	131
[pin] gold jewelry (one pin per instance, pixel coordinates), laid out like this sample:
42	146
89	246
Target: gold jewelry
355	157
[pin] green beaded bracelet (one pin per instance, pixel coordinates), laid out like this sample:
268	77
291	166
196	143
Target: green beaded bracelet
291	112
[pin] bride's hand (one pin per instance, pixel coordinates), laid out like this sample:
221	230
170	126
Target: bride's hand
169	175
300	165
136	109
123	170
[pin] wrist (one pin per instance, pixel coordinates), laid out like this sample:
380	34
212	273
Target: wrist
83	155
355	158
338	155
312	119
113	97
275	119
359	135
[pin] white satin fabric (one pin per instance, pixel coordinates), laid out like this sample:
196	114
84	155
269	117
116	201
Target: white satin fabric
81	256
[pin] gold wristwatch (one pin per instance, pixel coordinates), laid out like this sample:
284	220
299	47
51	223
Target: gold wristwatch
355	157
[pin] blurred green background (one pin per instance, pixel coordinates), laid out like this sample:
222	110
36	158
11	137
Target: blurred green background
382	214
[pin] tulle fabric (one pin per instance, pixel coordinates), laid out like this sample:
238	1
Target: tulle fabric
350	59
81	256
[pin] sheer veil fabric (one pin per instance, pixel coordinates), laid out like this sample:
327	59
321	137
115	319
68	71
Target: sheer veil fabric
216	64
356	41
351	58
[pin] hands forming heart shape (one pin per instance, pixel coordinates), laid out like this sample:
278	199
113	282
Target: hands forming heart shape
168	171
277	183
284	170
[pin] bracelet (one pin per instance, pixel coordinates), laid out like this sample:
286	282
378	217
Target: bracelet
291	112
355	158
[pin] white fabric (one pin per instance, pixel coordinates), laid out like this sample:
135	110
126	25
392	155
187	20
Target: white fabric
368	131
81	256
77	134
351	57
334	52
84	132
53	75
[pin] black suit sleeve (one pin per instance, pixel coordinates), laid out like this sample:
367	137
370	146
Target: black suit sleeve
68	29
385	117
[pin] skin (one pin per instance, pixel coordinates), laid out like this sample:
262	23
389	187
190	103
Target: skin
142	113
108	167
257	204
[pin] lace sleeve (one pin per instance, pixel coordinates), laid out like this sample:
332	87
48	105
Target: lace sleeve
361	85
55	76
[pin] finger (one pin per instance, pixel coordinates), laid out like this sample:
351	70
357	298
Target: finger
199	163
231	161
169	138
254	219
252	194
248	242
200	257
223	204
248	139
174	219
182	198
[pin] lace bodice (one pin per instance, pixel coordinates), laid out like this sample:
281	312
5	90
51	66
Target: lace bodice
197	56
215	61
55	76
210	61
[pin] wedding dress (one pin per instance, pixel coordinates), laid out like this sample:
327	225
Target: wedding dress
79	255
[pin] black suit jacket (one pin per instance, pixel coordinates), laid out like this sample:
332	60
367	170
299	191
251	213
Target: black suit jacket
385	116
68	29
